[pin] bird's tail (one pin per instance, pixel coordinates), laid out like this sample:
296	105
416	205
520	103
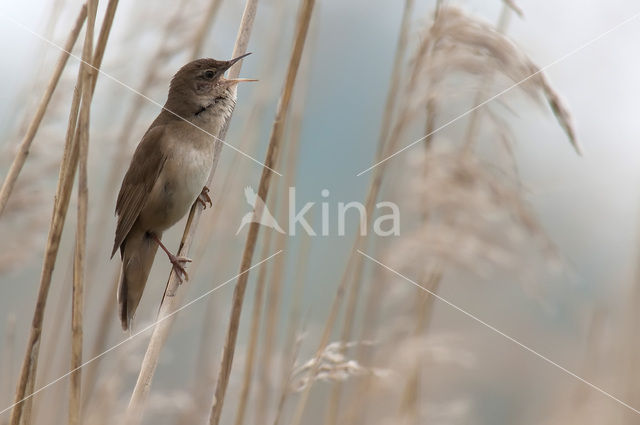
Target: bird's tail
138	251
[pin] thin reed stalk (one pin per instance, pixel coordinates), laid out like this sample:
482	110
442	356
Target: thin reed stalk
286	388
171	301
254	333
8	351
424	310
77	305
25	144
275	138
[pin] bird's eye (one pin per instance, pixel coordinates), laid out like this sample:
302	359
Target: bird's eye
209	75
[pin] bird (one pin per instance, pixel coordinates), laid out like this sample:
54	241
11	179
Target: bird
263	216
168	173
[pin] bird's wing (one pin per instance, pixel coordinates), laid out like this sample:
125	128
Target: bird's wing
149	160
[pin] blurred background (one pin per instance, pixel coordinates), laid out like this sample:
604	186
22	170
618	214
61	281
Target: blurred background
565	286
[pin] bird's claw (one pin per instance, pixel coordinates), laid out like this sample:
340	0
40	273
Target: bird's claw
177	261
204	198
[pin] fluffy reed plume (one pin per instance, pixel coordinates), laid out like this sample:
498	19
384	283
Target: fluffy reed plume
457	43
332	365
476	218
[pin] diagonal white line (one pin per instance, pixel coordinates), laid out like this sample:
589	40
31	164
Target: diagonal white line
492	98
499	332
138	333
128	87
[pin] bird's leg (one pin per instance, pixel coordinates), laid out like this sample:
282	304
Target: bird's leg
175	260
204	198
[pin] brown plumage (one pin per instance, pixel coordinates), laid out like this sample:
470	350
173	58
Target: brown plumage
168	172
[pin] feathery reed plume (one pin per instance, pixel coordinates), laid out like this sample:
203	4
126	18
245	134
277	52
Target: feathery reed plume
25	144
332	365
171	300
457	42
77	305
304	18
472	126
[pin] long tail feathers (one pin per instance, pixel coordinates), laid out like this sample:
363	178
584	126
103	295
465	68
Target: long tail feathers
138	252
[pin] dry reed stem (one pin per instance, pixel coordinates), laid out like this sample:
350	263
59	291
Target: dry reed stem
25	144
250	138
275	288
254	333
297	115
64	187
171	300
77	305
304	18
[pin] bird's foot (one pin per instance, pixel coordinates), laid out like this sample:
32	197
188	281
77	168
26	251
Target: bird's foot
204	198
177	262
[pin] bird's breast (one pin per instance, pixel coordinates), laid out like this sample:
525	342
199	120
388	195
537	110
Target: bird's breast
181	180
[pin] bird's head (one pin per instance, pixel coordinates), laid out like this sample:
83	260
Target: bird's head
201	83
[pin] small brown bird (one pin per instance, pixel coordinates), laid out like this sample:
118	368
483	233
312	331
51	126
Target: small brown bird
168	172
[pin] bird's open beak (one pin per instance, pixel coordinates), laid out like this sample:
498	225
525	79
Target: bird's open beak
230	82
233	81
230	63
